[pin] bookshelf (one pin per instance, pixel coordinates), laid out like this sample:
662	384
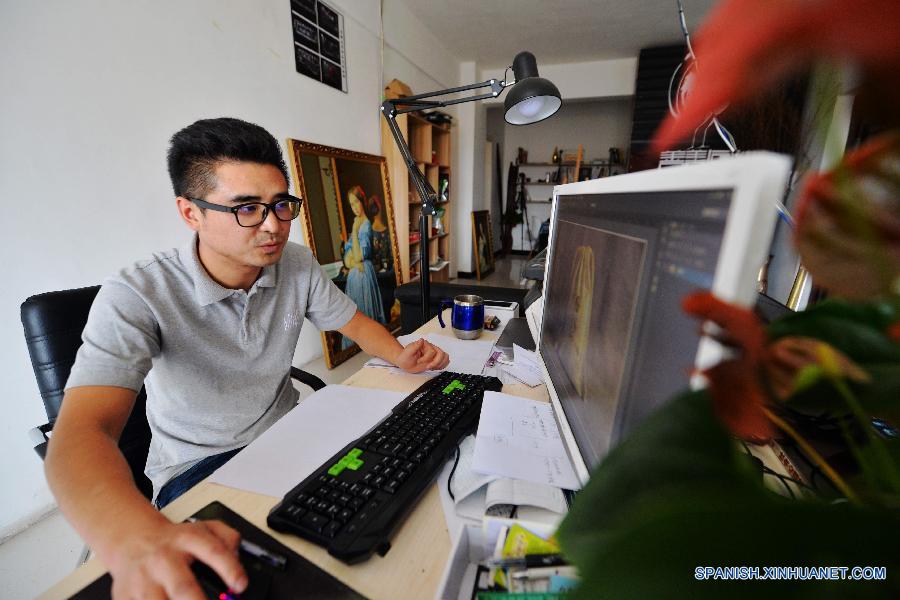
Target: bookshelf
429	144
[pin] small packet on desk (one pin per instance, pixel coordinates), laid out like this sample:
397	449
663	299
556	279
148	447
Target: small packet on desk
491	323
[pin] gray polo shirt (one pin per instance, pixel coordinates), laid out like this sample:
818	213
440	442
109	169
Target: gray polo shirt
215	361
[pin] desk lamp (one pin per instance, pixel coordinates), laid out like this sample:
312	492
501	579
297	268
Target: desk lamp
532	99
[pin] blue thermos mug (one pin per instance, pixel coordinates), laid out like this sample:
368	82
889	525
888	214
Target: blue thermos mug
467	316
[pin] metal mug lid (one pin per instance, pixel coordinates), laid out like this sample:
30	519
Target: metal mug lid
468	300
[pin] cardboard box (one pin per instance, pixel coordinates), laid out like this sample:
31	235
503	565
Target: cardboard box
471	548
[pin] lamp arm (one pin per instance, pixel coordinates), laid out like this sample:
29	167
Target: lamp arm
495	85
426	193
398	106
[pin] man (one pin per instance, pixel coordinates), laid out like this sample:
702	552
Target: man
218	321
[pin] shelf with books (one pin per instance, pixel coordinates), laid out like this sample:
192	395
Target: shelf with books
431	148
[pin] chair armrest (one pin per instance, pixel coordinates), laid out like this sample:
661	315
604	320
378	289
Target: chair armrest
308	378
39	438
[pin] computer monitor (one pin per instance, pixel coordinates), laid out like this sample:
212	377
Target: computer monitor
624	251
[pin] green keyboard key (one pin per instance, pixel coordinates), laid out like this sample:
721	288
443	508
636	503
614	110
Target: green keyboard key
454	385
349	461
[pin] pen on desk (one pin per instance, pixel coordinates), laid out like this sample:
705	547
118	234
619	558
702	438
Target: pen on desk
275	560
529	560
257	551
544	572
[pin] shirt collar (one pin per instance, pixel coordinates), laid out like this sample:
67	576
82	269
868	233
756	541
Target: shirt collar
206	290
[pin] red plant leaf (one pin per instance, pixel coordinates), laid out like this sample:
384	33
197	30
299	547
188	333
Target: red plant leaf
736	384
747	45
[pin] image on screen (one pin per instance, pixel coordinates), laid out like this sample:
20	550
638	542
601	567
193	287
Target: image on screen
614	339
593	329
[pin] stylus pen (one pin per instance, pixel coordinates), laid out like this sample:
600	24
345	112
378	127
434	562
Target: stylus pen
276	560
257	551
544	573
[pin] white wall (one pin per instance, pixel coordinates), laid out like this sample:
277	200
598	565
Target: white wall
92	92
468	168
597	125
415	57
585	80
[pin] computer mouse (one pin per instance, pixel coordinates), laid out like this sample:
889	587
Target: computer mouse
259	575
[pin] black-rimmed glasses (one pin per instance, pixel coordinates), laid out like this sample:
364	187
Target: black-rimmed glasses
251	214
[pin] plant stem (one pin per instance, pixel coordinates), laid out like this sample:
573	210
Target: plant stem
880	452
836	479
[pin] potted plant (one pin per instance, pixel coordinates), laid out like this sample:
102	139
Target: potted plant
679	509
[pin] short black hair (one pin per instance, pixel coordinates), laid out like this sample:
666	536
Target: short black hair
195	151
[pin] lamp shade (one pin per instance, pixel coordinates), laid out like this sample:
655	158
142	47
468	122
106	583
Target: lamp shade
532	98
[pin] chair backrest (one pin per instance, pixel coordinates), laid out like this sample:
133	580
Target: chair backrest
53	325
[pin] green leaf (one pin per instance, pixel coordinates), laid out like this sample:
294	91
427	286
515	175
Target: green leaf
880	468
655	553
879	397
808	377
860	339
697	452
676	494
878	315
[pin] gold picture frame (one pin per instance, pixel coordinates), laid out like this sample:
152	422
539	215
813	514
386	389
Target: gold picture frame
482	243
348	222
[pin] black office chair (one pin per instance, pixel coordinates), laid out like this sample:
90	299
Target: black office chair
53	323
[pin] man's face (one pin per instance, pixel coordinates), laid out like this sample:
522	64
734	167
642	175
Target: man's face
228	250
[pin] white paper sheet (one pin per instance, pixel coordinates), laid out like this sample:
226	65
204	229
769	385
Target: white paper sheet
296	445
454	520
466	356
519	438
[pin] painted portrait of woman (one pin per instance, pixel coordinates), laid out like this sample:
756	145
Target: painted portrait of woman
382	257
362	282
348	221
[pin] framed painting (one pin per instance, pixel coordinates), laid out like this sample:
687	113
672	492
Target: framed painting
348	222
482	243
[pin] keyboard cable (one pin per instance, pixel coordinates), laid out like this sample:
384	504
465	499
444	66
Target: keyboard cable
452	471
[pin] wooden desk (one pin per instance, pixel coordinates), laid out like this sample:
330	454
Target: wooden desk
413	567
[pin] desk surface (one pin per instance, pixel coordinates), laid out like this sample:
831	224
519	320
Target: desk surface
413	567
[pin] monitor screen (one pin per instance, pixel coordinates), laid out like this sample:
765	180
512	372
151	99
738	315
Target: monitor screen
614	341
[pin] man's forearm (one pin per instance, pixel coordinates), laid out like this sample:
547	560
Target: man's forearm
372	337
90	478
96	492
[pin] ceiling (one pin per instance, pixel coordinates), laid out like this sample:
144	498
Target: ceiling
491	32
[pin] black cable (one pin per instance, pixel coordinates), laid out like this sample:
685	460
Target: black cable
783	479
452	471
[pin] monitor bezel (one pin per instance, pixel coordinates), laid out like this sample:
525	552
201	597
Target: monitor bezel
758	181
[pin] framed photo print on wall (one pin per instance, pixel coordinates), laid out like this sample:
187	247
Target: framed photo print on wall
482	243
348	222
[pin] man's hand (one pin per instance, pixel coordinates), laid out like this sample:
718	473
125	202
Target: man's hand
421	356
159	565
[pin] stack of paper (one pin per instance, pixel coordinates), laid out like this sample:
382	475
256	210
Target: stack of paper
525	368
474	493
519	438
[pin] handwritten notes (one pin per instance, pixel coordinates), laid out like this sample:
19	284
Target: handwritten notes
519	438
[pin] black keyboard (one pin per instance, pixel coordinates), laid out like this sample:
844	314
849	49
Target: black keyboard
353	503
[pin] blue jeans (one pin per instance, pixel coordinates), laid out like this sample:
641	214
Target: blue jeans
182	483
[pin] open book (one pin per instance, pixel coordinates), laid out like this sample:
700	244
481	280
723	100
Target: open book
476	494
